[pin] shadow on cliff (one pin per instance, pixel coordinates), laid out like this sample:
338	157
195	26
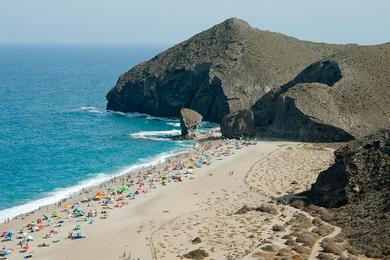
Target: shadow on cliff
277	115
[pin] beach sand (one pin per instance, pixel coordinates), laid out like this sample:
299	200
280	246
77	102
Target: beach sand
228	209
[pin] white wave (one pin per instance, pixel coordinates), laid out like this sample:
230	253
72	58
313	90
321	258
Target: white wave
60	194
156	135
175	124
93	110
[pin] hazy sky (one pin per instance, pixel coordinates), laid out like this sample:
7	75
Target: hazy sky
171	21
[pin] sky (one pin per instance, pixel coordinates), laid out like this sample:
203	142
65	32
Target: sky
172	21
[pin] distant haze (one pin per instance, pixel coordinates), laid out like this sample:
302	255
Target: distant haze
172	21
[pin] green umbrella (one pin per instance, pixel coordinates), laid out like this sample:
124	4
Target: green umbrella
123	188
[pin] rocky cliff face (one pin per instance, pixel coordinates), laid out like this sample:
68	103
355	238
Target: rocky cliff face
341	97
224	69
295	89
357	186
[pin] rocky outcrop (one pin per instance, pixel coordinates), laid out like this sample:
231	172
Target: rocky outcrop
341	97
296	89
189	122
238	124
219	71
357	187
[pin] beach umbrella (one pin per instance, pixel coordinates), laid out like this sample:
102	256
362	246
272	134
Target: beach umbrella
123	188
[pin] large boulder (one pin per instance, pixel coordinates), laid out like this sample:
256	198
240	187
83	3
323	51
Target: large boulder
357	189
189	122
224	69
238	124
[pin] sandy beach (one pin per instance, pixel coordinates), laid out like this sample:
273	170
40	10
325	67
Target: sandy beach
227	209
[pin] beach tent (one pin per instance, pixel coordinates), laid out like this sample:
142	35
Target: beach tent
77	235
8	235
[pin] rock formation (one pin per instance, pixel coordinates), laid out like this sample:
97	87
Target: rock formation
224	69
238	124
295	89
341	97
358	185
189	122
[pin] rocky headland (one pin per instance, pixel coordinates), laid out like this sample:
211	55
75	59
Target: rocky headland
295	89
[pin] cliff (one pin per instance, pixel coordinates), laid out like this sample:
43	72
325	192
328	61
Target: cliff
295	89
357	189
224	69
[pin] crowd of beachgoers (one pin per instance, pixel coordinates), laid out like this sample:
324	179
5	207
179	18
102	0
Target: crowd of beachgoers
41	228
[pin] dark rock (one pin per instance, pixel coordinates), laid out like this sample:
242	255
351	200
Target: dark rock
356	189
238	124
196	240
245	209
196	254
189	122
278	228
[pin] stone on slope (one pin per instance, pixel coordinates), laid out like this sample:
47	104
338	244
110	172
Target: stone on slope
189	122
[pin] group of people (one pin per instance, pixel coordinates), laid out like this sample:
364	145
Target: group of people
118	193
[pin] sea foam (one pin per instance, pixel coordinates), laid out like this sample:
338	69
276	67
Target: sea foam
60	194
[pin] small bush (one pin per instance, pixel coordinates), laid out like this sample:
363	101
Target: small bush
307	238
270	248
323	230
290	242
301	249
325	256
196	254
267	209
329	246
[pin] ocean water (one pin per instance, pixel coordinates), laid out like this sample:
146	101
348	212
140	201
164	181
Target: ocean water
55	135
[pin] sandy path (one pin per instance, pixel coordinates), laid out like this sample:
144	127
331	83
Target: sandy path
317	246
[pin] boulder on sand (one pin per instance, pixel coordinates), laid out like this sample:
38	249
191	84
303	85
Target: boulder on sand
238	124
189	122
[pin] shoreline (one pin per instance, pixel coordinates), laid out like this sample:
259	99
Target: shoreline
228	203
75	198
88	184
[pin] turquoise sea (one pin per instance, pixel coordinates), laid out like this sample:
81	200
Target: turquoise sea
56	136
